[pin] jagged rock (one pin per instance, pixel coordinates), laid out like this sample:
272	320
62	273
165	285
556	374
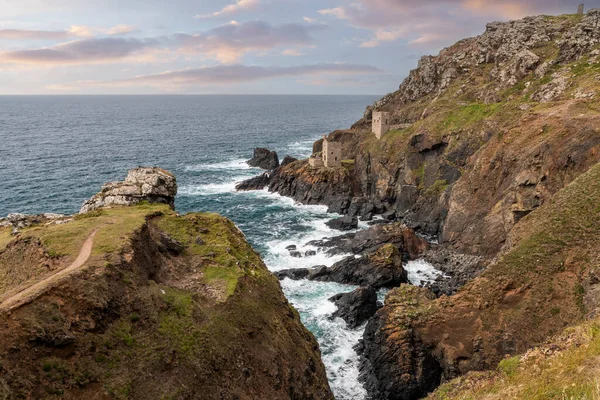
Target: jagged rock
346	223
256	183
288	160
379	269
151	184
310	253
458	269
264	158
291	247
356	307
395	364
295	254
169	244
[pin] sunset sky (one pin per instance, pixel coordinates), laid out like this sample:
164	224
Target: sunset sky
235	46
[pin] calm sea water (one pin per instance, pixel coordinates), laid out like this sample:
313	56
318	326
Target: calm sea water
55	152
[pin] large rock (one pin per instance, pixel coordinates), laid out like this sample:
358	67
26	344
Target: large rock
379	269
264	158
356	307
151	184
345	223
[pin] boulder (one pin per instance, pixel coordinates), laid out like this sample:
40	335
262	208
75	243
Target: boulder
264	158
151	184
345	223
356	307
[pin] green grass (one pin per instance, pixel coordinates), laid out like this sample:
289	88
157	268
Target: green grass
464	117
115	226
509	366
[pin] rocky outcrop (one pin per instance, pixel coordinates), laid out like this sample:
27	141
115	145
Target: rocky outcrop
356	307
346	223
380	269
404	238
395	363
331	186
167	306
152	185
257	183
265	159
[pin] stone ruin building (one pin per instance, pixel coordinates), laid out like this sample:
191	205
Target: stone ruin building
330	157
381	123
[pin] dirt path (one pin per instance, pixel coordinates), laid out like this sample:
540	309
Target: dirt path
25	295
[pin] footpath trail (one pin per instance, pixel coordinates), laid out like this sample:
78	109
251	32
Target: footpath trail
25	295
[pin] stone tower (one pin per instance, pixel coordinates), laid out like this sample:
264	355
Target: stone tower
381	123
580	9
332	153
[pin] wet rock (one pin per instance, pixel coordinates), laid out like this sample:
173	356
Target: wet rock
295	254
345	223
294	274
310	253
264	158
256	183
356	307
154	185
379	269
291	247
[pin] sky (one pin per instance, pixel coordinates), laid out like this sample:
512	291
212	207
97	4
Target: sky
235	46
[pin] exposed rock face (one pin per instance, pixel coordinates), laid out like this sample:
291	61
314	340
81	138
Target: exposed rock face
154	185
330	186
379	269
356	307
539	285
265	159
288	160
395	363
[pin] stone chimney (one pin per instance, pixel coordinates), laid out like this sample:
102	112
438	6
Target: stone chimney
580	9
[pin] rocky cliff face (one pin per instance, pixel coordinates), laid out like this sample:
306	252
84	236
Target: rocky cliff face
164	306
498	158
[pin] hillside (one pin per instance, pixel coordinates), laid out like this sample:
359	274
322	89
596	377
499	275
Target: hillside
164	306
495	154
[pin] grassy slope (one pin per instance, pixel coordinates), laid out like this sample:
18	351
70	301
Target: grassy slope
211	309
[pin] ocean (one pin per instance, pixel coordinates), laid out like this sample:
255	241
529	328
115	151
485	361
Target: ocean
57	151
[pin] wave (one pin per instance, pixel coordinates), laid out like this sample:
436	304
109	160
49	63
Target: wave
420	271
238	164
311	299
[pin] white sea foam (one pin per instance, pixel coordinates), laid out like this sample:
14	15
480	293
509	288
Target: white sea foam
420	271
238	164
311	299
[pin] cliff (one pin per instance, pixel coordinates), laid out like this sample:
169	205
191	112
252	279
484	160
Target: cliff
496	156
140	302
493	127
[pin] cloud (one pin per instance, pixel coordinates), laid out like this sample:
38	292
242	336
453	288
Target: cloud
232	74
79	51
226	43
433	22
28	34
231	9
292	53
120	30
